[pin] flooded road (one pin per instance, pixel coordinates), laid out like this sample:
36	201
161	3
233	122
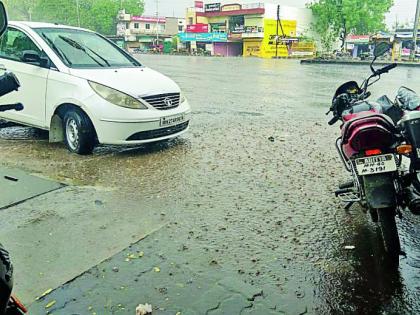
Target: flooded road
246	194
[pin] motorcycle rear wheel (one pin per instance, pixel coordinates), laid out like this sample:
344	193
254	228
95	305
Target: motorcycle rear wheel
390	237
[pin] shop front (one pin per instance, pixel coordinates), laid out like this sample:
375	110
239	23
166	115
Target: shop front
358	45
205	43
228	49
252	47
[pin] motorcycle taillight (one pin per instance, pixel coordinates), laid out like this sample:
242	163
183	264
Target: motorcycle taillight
372	138
16	306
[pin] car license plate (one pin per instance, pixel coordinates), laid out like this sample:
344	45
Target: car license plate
172	120
376	164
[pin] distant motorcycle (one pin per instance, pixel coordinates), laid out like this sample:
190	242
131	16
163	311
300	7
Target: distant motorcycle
375	136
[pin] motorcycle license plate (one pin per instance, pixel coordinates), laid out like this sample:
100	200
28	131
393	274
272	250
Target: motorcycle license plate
376	164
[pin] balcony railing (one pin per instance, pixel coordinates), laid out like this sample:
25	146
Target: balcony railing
139	31
253	35
248	6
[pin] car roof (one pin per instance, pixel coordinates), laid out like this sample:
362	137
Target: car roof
34	25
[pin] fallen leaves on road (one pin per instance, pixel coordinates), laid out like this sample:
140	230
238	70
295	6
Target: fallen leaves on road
50	304
44	294
144	309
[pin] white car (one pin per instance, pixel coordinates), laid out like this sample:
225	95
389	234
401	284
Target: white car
87	91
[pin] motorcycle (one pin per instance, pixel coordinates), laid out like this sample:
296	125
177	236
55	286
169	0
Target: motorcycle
9	304
375	136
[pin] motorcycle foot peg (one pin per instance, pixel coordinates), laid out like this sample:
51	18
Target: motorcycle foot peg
348	206
346	185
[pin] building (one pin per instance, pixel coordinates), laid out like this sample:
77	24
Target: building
145	33
259	29
404	44
357	45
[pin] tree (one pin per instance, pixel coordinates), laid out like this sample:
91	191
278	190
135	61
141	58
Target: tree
98	15
338	18
21	9
101	15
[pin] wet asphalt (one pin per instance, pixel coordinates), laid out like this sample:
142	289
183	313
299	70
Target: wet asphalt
251	222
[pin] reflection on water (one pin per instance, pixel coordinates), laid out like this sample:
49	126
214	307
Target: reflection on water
257	168
370	286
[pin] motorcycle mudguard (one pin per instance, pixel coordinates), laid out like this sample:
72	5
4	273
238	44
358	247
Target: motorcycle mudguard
380	191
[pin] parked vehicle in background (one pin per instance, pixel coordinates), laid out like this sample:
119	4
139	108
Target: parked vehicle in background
375	138
85	90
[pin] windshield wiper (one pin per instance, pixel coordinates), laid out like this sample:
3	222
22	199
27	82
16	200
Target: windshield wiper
85	49
57	50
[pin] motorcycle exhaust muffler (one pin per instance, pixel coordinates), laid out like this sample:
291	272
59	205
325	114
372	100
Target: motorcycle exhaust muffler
413	201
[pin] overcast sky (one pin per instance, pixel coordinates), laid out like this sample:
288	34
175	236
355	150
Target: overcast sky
403	9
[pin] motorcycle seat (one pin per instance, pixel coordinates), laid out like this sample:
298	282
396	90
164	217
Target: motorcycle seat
408	99
365	118
363	107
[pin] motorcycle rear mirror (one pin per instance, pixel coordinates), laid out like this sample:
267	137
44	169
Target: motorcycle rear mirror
381	49
3	19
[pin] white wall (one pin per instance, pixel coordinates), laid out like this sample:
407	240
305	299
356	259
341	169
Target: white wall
302	16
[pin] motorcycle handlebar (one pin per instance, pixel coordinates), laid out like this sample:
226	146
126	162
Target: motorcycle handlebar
333	120
17	107
386	69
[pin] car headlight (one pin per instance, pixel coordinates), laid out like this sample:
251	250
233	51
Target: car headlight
182	98
116	97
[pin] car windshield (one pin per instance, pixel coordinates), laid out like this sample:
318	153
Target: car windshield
82	49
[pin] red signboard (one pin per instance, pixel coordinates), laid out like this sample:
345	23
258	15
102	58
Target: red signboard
199	4
198	28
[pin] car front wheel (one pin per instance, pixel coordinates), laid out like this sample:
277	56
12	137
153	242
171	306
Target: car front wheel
79	134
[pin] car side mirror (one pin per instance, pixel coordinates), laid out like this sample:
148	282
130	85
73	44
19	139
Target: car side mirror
3	19
31	56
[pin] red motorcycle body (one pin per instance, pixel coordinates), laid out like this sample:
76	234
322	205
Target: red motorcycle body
366	130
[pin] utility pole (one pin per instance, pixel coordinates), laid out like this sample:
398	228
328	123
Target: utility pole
157	23
78	12
277	31
416	28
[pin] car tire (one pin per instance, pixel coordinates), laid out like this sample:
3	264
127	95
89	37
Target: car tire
79	134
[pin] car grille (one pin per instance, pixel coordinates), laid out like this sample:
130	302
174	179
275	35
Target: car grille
163	101
159	133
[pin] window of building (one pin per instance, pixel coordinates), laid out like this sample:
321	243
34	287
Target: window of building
147	26
162	27
127	26
136	25
190	21
237	24
180	28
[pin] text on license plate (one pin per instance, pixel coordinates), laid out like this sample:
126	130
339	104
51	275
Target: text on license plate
376	164
173	120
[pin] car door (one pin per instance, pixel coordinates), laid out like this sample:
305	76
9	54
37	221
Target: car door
32	77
